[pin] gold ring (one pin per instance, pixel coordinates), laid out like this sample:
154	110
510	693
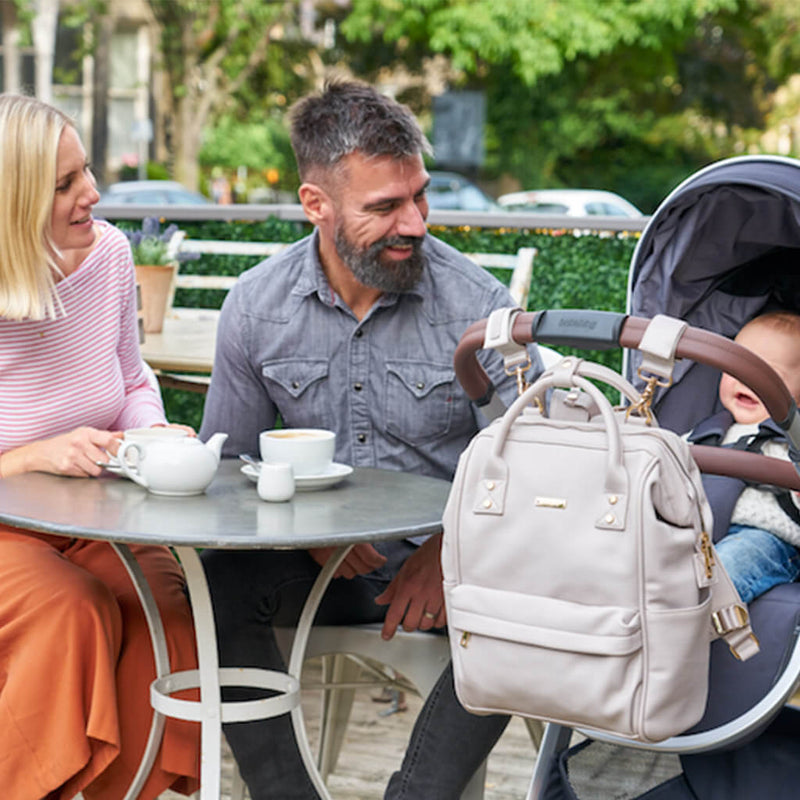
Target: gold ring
429	615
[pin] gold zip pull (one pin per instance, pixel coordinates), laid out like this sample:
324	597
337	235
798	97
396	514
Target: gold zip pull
465	638
708	553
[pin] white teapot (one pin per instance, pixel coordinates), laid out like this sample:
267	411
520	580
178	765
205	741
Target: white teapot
172	466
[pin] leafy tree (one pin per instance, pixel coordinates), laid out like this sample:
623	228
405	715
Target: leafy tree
629	95
261	145
535	37
251	130
210	49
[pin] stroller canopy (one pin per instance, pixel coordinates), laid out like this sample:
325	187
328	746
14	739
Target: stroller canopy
723	247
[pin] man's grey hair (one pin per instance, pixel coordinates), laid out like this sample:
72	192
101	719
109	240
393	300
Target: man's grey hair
349	116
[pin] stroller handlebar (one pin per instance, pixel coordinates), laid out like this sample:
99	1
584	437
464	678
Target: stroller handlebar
748	466
605	330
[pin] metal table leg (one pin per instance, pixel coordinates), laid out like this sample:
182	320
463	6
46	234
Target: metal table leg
161	657
297	657
210	711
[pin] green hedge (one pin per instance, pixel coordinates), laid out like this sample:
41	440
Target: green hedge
570	271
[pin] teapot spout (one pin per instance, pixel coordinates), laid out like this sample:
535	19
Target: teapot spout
214	444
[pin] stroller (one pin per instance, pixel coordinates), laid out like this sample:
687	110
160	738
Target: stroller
722	248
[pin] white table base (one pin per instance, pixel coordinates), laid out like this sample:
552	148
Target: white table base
210	711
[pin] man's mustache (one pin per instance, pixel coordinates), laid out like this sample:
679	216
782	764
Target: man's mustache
398	241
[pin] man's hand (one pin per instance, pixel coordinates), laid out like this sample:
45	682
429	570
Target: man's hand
415	597
361	560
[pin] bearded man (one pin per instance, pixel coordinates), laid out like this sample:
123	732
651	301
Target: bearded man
352	329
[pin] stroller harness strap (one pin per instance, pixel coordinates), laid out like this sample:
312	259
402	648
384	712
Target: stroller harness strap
711	432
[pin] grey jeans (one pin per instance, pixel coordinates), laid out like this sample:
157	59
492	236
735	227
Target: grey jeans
251	592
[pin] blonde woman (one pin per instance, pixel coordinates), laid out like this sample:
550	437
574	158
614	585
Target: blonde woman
71	378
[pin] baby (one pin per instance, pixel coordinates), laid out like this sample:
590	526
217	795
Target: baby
760	548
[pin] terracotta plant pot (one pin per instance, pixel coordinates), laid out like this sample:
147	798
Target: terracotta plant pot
156	282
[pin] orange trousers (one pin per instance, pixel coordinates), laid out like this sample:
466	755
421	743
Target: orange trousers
76	664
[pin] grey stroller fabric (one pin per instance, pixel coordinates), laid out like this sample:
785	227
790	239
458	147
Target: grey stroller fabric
603	771
766	769
721	249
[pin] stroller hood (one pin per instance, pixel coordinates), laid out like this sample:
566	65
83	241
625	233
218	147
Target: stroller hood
723	247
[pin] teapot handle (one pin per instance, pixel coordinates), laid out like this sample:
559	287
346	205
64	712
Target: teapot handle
131	469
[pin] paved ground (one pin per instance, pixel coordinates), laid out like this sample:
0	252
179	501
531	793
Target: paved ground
375	745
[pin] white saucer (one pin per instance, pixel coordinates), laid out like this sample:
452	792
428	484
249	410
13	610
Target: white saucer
112	466
333	475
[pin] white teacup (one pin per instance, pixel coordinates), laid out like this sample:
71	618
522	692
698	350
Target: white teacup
144	435
309	450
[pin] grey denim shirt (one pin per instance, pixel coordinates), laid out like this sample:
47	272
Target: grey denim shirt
288	345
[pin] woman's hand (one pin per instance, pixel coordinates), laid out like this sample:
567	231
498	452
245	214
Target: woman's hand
75	453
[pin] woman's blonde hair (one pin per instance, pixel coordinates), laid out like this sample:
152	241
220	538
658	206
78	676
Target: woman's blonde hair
29	136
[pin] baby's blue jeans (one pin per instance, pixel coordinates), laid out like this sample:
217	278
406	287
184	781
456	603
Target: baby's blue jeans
757	560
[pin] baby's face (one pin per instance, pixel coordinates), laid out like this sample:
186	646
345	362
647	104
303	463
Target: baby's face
781	351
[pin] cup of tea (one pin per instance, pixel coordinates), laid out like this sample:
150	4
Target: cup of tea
309	450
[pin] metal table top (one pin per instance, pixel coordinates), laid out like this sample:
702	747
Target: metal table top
369	505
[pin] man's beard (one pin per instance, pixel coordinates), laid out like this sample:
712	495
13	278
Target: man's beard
372	271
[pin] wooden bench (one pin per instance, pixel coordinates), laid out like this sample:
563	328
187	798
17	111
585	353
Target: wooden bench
520	265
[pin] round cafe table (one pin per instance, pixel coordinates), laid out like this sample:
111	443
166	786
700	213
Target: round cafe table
370	505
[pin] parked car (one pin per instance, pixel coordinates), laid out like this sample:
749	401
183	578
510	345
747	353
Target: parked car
572	202
453	192
151	193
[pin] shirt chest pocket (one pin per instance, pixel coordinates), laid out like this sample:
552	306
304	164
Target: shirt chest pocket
420	400
300	389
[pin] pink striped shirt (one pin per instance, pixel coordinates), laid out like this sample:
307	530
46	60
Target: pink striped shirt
83	368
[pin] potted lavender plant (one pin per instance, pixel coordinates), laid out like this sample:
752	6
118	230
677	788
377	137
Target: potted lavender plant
156	267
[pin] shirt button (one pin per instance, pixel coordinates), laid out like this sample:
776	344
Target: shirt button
420	385
295	385
359	333
361	438
358	386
